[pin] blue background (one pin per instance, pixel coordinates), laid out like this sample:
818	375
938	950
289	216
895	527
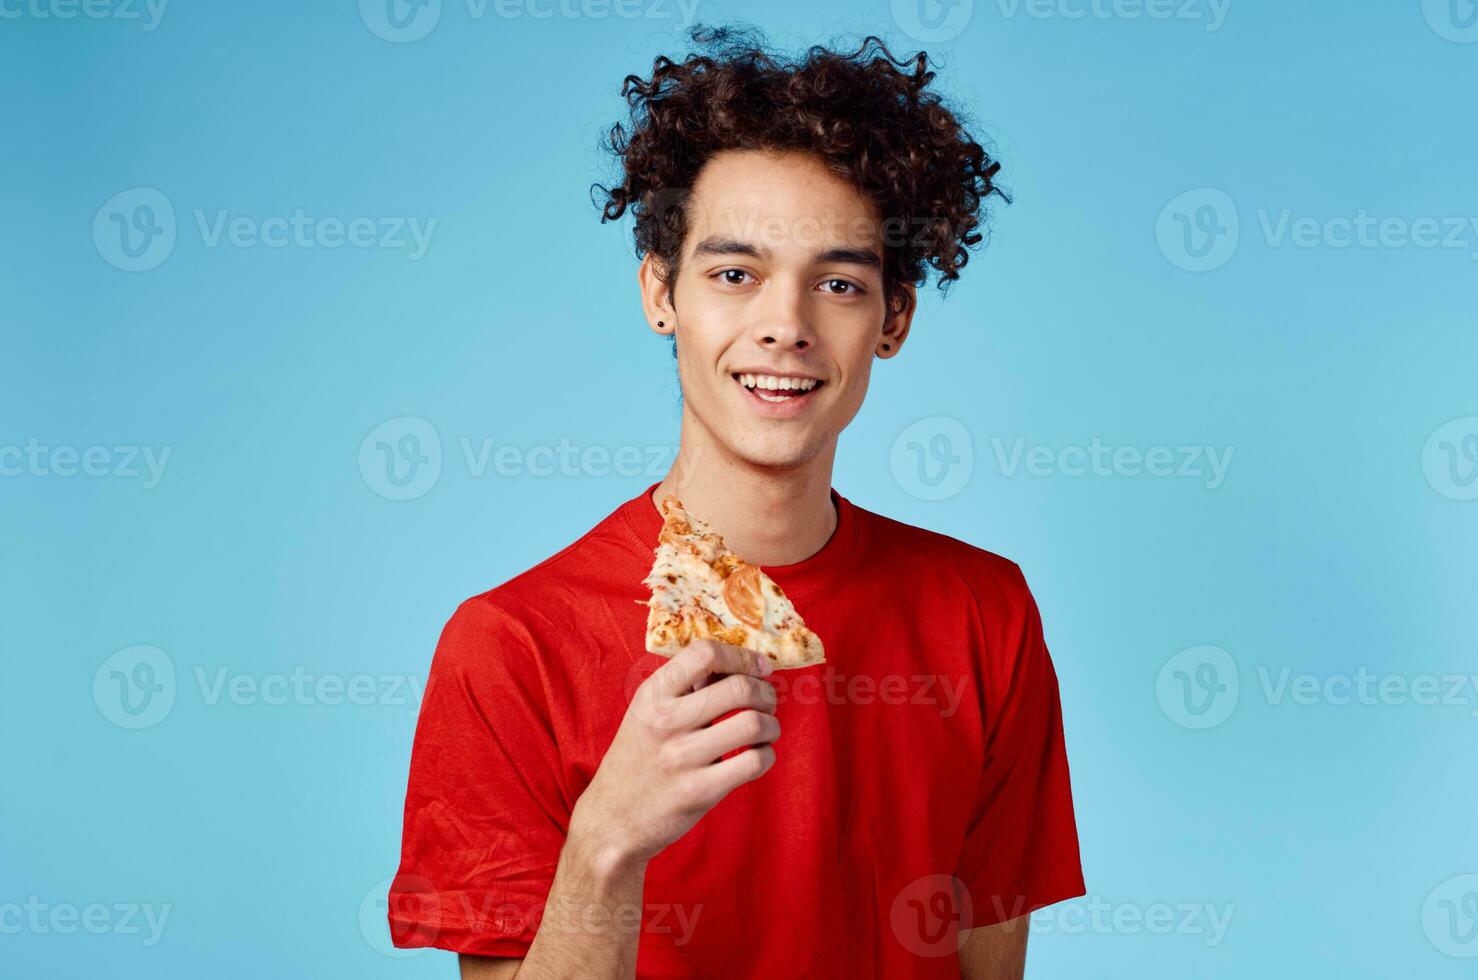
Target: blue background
1329	833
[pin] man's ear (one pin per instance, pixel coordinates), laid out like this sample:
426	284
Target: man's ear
896	326
656	295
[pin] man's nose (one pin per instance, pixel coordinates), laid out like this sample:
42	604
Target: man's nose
784	322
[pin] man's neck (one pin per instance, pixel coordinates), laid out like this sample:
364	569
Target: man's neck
766	517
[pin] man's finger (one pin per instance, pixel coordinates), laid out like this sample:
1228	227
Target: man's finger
734	693
750	727
700	658
717	780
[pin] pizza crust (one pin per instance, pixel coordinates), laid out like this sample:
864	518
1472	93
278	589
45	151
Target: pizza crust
697	583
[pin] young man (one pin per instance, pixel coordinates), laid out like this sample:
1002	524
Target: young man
579	807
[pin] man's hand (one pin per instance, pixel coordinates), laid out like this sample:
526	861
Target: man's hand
661	772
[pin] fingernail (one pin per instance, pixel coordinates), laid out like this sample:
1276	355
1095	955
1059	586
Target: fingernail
766	668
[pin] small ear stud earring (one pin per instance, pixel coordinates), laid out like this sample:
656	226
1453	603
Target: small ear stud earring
887	347
661	324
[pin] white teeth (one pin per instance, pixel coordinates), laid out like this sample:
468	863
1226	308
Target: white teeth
770	382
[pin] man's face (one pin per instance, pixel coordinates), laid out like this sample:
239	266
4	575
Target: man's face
778	305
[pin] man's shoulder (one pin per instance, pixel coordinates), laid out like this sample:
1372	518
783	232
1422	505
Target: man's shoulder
929	553
941	573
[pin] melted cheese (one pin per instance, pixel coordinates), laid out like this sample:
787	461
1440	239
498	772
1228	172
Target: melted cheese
696	583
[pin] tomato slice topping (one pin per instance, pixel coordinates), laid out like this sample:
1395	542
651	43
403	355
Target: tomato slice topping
744	597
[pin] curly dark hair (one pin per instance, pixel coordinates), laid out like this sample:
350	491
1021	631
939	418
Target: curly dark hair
869	120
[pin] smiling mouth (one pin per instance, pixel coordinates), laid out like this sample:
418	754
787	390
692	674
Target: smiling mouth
779	390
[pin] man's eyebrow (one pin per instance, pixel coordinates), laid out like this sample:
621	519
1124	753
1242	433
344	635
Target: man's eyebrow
852	256
716	245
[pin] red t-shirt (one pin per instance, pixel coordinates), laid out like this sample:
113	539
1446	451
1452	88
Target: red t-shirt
920	783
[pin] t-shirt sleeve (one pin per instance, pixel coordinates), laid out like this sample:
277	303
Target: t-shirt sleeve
486	813
1021	849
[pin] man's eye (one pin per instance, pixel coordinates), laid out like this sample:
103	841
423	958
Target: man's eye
848	288
728	276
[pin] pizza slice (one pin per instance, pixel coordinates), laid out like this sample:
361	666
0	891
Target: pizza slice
702	590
